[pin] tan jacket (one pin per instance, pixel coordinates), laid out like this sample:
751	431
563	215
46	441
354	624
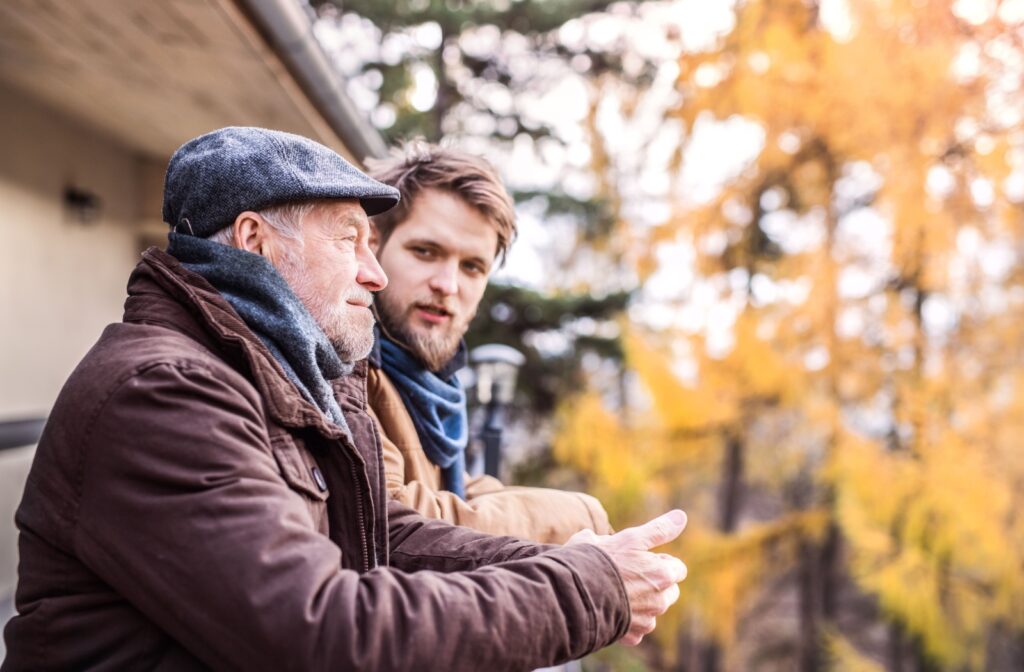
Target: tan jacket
539	514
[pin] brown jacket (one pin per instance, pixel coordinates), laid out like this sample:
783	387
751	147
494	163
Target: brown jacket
540	514
188	510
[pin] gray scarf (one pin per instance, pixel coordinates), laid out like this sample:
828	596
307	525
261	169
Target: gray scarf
269	307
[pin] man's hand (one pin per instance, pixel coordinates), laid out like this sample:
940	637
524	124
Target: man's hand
651	579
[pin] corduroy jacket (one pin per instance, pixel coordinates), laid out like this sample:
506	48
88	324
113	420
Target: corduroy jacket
187	509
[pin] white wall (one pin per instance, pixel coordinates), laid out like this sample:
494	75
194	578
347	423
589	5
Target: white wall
61	281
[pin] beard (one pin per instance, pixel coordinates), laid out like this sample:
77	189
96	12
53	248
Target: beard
434	347
349	329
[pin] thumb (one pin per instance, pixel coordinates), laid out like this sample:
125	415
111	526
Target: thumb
584	536
660	530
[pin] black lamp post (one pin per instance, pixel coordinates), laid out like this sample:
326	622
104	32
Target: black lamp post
495	367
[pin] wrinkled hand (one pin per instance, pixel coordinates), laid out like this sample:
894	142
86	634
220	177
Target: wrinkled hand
651	579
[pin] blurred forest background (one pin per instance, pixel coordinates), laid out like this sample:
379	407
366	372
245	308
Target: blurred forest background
769	272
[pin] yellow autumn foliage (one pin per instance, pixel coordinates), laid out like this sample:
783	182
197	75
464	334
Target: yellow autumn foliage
844	656
880	417
950	568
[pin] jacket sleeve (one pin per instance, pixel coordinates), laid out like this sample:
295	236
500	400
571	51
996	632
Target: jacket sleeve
540	514
188	519
420	543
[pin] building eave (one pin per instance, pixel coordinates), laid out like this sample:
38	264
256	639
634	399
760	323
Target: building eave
288	28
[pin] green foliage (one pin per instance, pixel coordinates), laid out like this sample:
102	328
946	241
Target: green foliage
615	659
523	16
513	315
460	71
596	217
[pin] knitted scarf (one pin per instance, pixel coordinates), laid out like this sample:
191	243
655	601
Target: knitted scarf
437	404
267	305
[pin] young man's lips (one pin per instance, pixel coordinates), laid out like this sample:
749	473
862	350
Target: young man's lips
433	314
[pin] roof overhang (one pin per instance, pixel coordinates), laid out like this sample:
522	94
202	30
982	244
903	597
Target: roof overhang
155	73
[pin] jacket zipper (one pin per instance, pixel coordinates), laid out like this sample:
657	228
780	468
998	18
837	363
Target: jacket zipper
361	513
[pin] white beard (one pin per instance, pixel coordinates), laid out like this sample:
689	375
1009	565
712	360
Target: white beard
350	332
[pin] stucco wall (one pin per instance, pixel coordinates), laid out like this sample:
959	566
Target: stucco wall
61	280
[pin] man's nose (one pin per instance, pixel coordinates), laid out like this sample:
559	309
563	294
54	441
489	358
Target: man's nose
445	279
370	274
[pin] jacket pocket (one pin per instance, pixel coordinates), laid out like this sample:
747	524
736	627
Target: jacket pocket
303	476
299	469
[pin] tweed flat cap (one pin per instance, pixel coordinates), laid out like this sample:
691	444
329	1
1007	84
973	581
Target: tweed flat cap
213	178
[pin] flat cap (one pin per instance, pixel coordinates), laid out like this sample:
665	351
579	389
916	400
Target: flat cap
213	178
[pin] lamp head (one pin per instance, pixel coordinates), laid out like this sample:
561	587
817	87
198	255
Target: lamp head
496	367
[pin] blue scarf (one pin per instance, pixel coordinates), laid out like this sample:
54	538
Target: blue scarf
269	307
437	406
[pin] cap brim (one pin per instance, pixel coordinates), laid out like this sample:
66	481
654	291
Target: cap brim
374	205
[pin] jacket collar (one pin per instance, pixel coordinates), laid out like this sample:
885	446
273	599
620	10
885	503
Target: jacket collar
163	292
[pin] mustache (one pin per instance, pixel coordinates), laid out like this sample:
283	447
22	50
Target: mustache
436	301
358	294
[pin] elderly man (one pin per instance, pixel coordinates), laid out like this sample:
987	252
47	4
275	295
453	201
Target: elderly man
207	492
453	225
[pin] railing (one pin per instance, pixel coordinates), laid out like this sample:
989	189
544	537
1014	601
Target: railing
18	433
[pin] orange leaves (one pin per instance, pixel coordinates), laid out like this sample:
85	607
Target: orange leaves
614	459
862	335
928	535
991	158
732	569
679	407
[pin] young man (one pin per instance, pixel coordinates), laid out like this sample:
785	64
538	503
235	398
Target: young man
207	492
438	246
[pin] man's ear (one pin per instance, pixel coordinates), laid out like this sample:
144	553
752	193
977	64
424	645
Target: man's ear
252	234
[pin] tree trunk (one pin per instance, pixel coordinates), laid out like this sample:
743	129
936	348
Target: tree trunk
809	605
730	500
895	648
829	573
710	657
731	496
446	92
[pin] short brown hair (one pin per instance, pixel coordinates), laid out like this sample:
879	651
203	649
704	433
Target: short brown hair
417	166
